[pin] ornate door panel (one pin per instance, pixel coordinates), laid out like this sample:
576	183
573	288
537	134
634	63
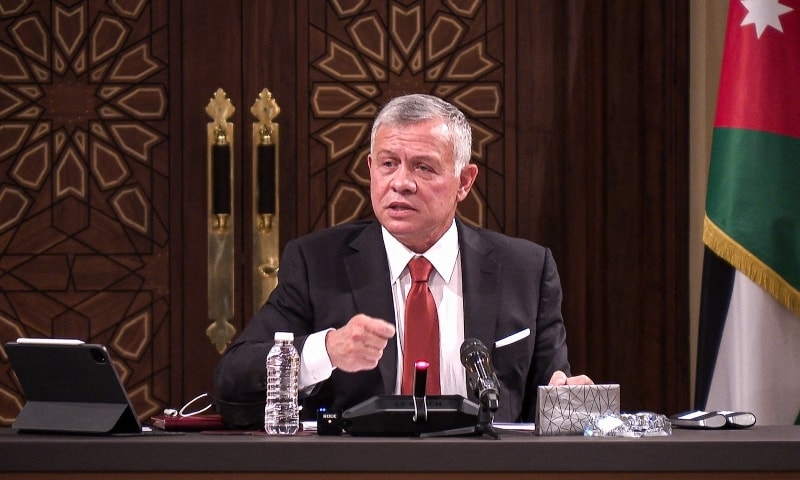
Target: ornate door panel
359	55
85	202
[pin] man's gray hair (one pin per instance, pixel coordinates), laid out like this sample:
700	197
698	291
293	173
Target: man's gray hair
414	108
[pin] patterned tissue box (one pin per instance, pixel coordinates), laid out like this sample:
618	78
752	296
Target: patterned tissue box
566	410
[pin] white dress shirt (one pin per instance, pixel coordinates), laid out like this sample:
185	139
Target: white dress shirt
445	286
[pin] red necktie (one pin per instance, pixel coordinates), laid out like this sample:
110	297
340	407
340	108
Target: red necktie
421	339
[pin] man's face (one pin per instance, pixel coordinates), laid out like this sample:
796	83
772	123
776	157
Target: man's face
413	184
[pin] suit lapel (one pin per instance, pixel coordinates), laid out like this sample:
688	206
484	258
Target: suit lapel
368	273
481	285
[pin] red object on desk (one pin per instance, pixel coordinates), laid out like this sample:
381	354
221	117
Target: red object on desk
194	423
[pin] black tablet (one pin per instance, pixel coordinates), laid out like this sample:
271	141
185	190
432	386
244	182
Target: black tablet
70	387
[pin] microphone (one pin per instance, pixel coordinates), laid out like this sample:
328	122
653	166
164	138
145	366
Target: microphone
480	374
420	378
418	395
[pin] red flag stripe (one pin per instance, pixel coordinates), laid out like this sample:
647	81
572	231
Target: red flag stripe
760	78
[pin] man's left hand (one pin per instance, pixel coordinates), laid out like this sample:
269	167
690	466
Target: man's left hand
560	378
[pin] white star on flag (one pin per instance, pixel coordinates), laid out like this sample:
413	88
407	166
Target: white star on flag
764	13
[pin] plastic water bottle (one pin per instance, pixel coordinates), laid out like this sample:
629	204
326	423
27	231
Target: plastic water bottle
281	414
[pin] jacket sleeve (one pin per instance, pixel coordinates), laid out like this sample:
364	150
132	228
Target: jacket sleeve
550	350
240	375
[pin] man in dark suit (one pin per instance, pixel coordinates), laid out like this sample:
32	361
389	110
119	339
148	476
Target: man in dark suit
342	291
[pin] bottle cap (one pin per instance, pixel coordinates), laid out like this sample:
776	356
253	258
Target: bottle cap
284	336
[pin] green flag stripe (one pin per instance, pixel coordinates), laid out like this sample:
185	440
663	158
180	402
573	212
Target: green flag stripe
754	196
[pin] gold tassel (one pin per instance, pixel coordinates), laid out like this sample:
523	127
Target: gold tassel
744	261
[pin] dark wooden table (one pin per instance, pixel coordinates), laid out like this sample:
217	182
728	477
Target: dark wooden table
762	451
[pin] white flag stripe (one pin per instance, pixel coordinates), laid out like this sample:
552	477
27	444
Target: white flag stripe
758	364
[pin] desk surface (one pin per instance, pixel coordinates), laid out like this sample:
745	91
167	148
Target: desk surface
759	449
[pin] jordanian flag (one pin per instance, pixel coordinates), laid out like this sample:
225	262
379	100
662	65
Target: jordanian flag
749	335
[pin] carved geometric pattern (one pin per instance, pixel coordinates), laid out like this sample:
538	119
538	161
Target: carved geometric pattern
33	166
11	405
13	205
84	203
8	329
371	51
346	198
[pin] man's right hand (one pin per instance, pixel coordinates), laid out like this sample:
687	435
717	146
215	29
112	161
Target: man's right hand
359	344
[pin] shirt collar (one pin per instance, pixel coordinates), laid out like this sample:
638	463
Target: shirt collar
442	255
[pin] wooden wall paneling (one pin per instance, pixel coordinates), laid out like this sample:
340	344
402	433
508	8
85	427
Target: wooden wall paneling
176	219
675	328
583	148
626	240
269	53
646	193
210	58
512	116
561	161
539	66
602	182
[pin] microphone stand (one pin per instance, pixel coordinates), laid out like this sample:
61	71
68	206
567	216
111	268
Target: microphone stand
488	405
489	402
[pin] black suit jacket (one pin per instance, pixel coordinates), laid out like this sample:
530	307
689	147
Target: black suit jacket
325	278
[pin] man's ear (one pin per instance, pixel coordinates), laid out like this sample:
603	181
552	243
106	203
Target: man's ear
467	179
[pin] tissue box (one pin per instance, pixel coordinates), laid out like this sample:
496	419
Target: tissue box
566	410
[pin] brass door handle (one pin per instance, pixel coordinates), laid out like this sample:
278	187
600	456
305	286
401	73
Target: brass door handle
221	225
265	201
